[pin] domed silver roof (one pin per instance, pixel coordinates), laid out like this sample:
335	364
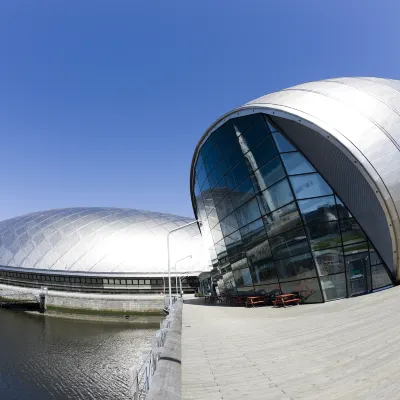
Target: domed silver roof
349	128
100	240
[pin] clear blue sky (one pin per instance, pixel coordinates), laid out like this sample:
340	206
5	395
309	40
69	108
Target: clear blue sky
103	102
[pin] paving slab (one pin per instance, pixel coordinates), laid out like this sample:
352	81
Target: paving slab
346	349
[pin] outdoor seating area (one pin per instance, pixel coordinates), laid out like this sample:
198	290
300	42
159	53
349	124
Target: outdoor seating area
272	299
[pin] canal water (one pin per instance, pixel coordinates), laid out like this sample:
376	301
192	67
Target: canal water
55	358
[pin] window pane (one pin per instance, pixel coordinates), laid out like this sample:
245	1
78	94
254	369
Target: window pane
296	164
289	243
216	233
267	290
248	212
217	173
269	173
224	207
233	243
252	233
329	261
374	256
311	185
334	286
259	252
241	124
307	288
213	218
242	193
237	175
342	210
319	209
255	133
229	225
355	248
275	197
284	219
351	231
242	277
297	267
324	235
263	272
206	147
212	159
281	143
380	277
264	151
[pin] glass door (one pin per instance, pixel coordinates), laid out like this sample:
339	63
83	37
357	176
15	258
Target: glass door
358	274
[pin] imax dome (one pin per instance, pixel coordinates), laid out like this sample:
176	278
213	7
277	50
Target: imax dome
100	241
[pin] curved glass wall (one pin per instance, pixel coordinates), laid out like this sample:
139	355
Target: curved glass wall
272	223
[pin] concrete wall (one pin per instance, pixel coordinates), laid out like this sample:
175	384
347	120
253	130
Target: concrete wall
100	302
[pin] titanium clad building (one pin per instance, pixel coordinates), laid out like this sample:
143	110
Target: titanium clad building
98	250
299	190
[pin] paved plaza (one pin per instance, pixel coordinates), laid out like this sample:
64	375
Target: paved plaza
347	349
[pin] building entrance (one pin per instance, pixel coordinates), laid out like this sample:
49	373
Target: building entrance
357	267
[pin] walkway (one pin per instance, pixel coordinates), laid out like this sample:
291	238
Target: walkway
348	349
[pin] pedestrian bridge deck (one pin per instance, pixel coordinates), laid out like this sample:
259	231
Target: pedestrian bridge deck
347	349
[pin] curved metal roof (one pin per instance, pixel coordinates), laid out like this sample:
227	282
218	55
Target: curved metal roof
360	116
99	240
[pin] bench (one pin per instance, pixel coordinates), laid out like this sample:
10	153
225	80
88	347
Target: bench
253	300
284	299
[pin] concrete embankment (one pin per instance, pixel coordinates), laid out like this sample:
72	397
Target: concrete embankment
91	301
166	382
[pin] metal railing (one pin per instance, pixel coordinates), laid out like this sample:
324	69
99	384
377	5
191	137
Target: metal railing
140	378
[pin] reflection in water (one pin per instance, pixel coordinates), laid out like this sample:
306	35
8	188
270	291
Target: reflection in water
52	358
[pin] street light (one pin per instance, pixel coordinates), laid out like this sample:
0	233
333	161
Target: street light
176	272
169	263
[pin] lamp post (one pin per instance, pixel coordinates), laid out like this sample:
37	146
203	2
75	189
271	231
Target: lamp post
176	272
169	261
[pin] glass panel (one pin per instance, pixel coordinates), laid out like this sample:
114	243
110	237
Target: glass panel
232	152
342	210
242	277
355	248
224	207
289	243
206	147
308	289
241	124
269	173
242	193
263	272
255	133
334	286
237	175
318	210
329	261
351	231
374	256
248	212
267	290
252	233
324	235
281	143
233	243
213	218
296	164
212	159
380	277
216	234
201	176
261	251
284	219
275	197
311	185
358	273
229	225
297	267
217	172
264	151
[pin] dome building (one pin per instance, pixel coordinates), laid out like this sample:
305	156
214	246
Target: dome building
299	191
99	250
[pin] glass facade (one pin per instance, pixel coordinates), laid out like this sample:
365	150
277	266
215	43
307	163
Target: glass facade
272	223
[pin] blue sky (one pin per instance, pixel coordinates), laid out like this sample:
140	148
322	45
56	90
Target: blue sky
102	102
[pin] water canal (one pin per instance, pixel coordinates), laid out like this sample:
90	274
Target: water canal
44	357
